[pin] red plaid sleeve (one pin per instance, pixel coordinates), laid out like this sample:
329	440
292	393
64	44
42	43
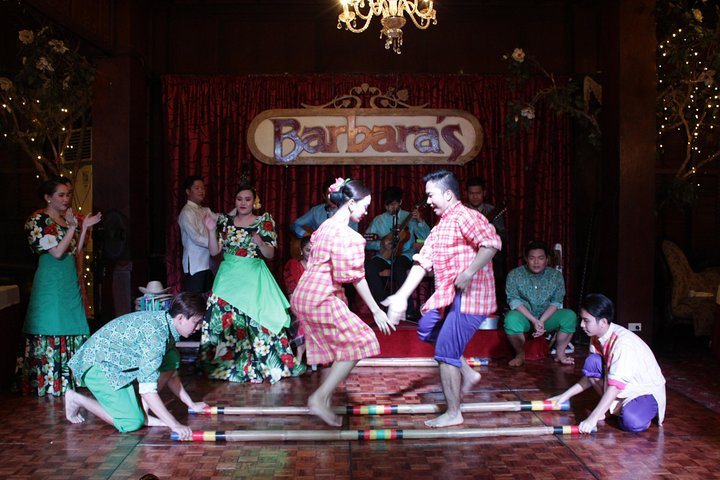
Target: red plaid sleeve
348	257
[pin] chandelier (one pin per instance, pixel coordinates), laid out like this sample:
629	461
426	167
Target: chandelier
392	13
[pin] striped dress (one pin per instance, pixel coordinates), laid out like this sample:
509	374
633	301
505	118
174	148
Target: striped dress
332	331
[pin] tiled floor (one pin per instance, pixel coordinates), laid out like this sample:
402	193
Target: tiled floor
37	443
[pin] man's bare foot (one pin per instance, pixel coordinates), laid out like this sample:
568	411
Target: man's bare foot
445	420
323	410
470	380
565	360
72	407
517	361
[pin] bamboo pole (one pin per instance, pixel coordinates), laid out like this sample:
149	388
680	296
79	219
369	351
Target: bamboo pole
422	408
415	362
389	434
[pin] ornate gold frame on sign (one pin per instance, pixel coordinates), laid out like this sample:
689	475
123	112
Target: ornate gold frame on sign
389	132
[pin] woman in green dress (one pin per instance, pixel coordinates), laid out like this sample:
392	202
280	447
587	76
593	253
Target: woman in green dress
55	325
244	338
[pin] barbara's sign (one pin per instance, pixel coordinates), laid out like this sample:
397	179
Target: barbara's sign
365	136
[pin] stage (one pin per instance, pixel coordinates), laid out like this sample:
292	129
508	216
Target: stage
487	344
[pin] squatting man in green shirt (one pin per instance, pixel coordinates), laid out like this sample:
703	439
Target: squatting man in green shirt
137	347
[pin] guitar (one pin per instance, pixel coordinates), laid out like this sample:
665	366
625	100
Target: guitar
496	212
403	235
295	241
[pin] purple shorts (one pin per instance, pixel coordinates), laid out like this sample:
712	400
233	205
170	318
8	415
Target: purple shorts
637	414
451	334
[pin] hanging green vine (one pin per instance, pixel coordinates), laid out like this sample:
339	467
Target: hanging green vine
582	100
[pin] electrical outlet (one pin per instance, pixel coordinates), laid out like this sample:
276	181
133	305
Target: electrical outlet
635	327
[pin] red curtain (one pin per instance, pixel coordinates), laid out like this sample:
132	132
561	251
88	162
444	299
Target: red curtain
206	126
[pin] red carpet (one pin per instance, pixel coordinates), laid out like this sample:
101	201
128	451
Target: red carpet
404	342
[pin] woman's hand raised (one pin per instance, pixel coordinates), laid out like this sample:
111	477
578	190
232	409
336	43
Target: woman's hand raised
92	220
71	219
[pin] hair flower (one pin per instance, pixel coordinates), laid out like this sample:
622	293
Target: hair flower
339	182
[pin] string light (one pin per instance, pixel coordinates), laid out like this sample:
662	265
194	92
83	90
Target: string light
690	86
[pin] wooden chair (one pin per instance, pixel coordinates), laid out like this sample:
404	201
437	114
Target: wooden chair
693	293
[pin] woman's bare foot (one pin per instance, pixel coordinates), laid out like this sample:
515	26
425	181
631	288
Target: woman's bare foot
151	421
565	360
518	361
470	380
72	407
323	410
300	354
445	420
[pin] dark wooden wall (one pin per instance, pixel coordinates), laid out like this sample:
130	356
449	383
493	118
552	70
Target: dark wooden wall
301	37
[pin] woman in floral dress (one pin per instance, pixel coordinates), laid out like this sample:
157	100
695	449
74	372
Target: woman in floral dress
332	332
55	325
244	338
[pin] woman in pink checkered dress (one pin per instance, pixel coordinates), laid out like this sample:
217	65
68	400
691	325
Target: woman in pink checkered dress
332	332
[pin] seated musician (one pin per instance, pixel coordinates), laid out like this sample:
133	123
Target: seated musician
395	246
476	199
476	194
313	218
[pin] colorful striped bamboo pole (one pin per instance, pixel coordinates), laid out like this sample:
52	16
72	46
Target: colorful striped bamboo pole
531	406
415	362
390	434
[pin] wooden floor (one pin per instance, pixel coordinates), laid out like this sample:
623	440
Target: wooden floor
37	443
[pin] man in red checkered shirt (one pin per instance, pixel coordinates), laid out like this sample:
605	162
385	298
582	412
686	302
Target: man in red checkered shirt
459	251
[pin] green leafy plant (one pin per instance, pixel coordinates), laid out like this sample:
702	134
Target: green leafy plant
48	97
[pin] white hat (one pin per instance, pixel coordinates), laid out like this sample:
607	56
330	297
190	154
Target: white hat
154	288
